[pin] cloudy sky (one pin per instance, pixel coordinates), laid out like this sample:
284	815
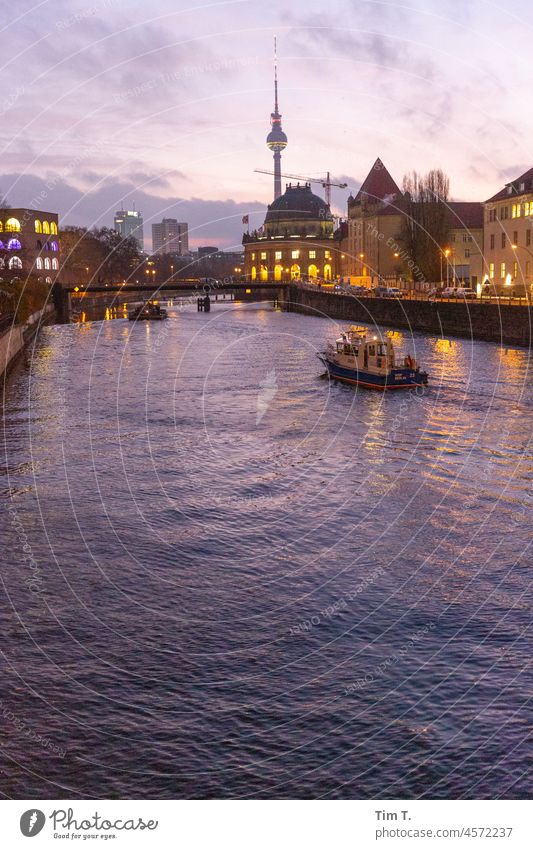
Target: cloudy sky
167	104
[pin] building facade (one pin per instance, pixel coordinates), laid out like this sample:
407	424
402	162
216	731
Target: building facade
130	223
298	240
29	244
508	243
170	237
463	257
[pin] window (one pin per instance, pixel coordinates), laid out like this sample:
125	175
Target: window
467	253
504	240
38	226
327	254
312	271
502	270
278	272
14	245
515	213
53	246
528	238
12	225
53	228
491	271
254	273
465	237
515	269
15	262
452	237
515	237
48	280
295	254
263	255
38	262
279	255
327	271
253	256
312	254
521	187
528	268
55	263
39	245
492	242
46	227
263	273
46	262
526	208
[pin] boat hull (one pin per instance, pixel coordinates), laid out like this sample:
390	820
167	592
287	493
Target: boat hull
398	378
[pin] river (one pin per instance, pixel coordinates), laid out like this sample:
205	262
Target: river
225	576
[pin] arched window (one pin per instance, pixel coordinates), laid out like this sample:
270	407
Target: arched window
48	280
12	225
39	245
46	227
46	246
2	263
278	272
53	246
312	272
14	245
327	272
38	226
53	228
254	273
55	263
15	262
295	272
46	262
264	273
1	226
1	246
38	262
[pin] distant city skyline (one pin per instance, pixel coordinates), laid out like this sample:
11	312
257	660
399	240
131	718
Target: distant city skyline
103	108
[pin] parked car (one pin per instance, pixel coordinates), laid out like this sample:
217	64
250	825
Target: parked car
465	292
448	292
358	290
387	292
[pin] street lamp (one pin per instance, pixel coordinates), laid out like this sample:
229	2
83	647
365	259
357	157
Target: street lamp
447	253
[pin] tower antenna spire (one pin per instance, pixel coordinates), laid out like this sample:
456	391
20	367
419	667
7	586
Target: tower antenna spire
276	139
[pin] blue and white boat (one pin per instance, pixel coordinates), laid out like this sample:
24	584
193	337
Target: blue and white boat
361	358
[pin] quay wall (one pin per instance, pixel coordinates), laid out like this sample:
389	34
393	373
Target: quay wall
14	340
491	322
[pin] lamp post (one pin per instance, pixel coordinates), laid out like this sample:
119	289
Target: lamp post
447	253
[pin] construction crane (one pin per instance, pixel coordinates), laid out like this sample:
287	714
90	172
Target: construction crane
326	184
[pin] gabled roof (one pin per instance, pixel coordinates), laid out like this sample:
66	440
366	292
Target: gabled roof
513	189
378	184
467	215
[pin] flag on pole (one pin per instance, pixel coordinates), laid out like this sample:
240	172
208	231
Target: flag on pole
246	219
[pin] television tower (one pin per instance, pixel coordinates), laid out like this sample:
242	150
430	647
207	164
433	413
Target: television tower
276	139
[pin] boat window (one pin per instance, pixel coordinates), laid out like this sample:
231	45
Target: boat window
382	350
372	350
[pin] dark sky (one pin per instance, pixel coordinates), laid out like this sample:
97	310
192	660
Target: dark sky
167	104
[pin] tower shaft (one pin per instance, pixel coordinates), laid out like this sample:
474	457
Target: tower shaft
276	139
277	174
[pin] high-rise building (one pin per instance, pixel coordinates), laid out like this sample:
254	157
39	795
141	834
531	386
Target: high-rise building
129	222
170	237
276	139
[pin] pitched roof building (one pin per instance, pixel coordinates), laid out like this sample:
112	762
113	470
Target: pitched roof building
508	241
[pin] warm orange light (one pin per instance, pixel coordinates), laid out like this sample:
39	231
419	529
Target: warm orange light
447	252
248	291
514	247
76	289
361	256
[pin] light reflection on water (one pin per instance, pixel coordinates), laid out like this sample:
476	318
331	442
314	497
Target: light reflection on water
257	582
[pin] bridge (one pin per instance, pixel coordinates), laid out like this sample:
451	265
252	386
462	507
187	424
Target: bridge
71	300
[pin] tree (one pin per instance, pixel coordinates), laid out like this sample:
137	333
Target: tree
82	256
426	226
121	255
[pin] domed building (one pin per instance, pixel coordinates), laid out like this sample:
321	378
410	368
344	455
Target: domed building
297	241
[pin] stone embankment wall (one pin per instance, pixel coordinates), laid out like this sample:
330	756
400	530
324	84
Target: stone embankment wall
492	322
15	338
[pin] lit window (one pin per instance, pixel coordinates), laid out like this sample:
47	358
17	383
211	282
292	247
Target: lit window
38	226
254	273
12	225
491	271
14	245
15	262
513	213
39	262
53	228
253	256
1	246
502	270
515	269
55	263
48	280
279	254
263	255
327	254
46	262
312	254
53	246
467	253
528	268
295	254
46	227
